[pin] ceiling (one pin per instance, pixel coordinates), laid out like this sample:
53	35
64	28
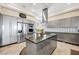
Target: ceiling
35	9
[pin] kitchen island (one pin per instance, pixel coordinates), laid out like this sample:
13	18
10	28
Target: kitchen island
41	45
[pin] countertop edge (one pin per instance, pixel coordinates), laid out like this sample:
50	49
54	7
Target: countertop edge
41	40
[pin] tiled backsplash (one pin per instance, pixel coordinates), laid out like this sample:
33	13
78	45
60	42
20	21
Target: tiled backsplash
64	25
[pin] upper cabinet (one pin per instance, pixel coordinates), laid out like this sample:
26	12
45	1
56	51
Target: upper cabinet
71	22
75	21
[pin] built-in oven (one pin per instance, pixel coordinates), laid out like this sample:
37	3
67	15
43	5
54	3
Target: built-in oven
30	28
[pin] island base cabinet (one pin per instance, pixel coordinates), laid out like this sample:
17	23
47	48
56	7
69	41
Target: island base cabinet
45	47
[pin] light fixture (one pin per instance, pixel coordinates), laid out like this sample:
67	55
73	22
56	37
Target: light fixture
69	3
34	3
32	10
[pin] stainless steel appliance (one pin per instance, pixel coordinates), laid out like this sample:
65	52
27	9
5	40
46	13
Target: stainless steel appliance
30	28
25	30
22	31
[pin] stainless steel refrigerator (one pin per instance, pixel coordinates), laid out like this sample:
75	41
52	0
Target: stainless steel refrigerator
22	31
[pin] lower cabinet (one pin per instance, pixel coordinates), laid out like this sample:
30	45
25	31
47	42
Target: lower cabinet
45	47
72	38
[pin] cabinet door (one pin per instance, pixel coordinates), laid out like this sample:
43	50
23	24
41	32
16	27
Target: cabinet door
13	30
75	21
5	34
59	23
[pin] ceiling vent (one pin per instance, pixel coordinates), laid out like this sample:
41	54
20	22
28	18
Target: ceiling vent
22	15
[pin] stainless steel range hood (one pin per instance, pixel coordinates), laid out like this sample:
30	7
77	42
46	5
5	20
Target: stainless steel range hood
45	15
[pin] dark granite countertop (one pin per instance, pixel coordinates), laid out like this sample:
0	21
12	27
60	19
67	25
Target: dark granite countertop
36	39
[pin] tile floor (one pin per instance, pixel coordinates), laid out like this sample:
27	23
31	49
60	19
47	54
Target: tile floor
13	49
62	49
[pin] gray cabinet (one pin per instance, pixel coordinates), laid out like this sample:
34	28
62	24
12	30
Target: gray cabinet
1	29
45	47
68	37
5	30
75	21
8	28
13	29
70	22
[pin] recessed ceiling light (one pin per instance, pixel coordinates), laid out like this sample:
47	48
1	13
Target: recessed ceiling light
33	10
69	3
34	3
